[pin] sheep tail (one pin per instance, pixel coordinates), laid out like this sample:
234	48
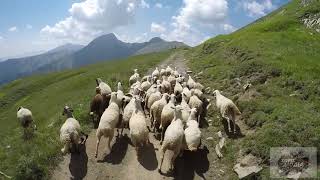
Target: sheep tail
236	110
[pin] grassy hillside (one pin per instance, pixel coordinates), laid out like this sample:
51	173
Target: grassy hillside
46	96
281	58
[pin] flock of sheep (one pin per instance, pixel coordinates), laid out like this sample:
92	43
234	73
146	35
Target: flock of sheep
175	104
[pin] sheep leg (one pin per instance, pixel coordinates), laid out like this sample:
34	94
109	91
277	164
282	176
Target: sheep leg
97	146
228	120
175	155
162	152
65	148
162	135
110	139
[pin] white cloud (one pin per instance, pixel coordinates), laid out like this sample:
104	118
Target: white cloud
143	4
132	39
13	29
28	26
1	38
92	17
194	15
228	28
158	5
157	28
256	9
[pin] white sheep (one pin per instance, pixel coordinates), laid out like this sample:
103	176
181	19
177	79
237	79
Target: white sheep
139	133
163	72
228	109
146	84
25	117
172	80
168	70
135	77
185	108
175	72
199	86
167	115
70	132
154	97
177	88
145	78
198	93
192	132
155	73
173	139
156	110
104	87
191	83
108	122
166	86
195	102
187	93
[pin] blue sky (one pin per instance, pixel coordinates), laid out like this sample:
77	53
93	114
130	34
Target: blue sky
28	26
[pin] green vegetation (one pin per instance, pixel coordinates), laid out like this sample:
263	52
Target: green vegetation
280	57
46	96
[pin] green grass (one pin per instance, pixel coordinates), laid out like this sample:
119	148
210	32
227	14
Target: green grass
279	56
46	96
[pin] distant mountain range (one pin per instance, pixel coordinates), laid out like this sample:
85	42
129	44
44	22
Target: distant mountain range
103	48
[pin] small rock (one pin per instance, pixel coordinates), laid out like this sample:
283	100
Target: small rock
209	138
200	73
210	120
221	170
189	72
246	171
8	147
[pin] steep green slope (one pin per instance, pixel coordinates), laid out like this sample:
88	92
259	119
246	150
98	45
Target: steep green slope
46	96
280	57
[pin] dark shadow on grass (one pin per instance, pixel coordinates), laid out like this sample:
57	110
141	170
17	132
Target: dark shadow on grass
147	157
118	150
78	163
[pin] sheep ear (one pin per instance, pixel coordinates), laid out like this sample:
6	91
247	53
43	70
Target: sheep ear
129	95
19	108
172	107
71	110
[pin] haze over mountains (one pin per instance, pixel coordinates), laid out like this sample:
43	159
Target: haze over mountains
103	48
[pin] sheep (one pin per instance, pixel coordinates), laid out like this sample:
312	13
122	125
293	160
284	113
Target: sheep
146	84
120	96
154	97
191	83
139	133
96	107
172	80
108	122
105	92
166	86
177	88
168	70
24	115
135	77
104	87
70	132
228	109
175	72
167	115
199	86
198	93
192	132
155	73
187	93
173	139
156	110
145	78
185	108
195	102
163	72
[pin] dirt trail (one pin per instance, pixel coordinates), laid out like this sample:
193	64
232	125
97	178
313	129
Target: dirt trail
122	163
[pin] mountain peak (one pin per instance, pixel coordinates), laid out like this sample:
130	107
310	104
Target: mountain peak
109	36
156	39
